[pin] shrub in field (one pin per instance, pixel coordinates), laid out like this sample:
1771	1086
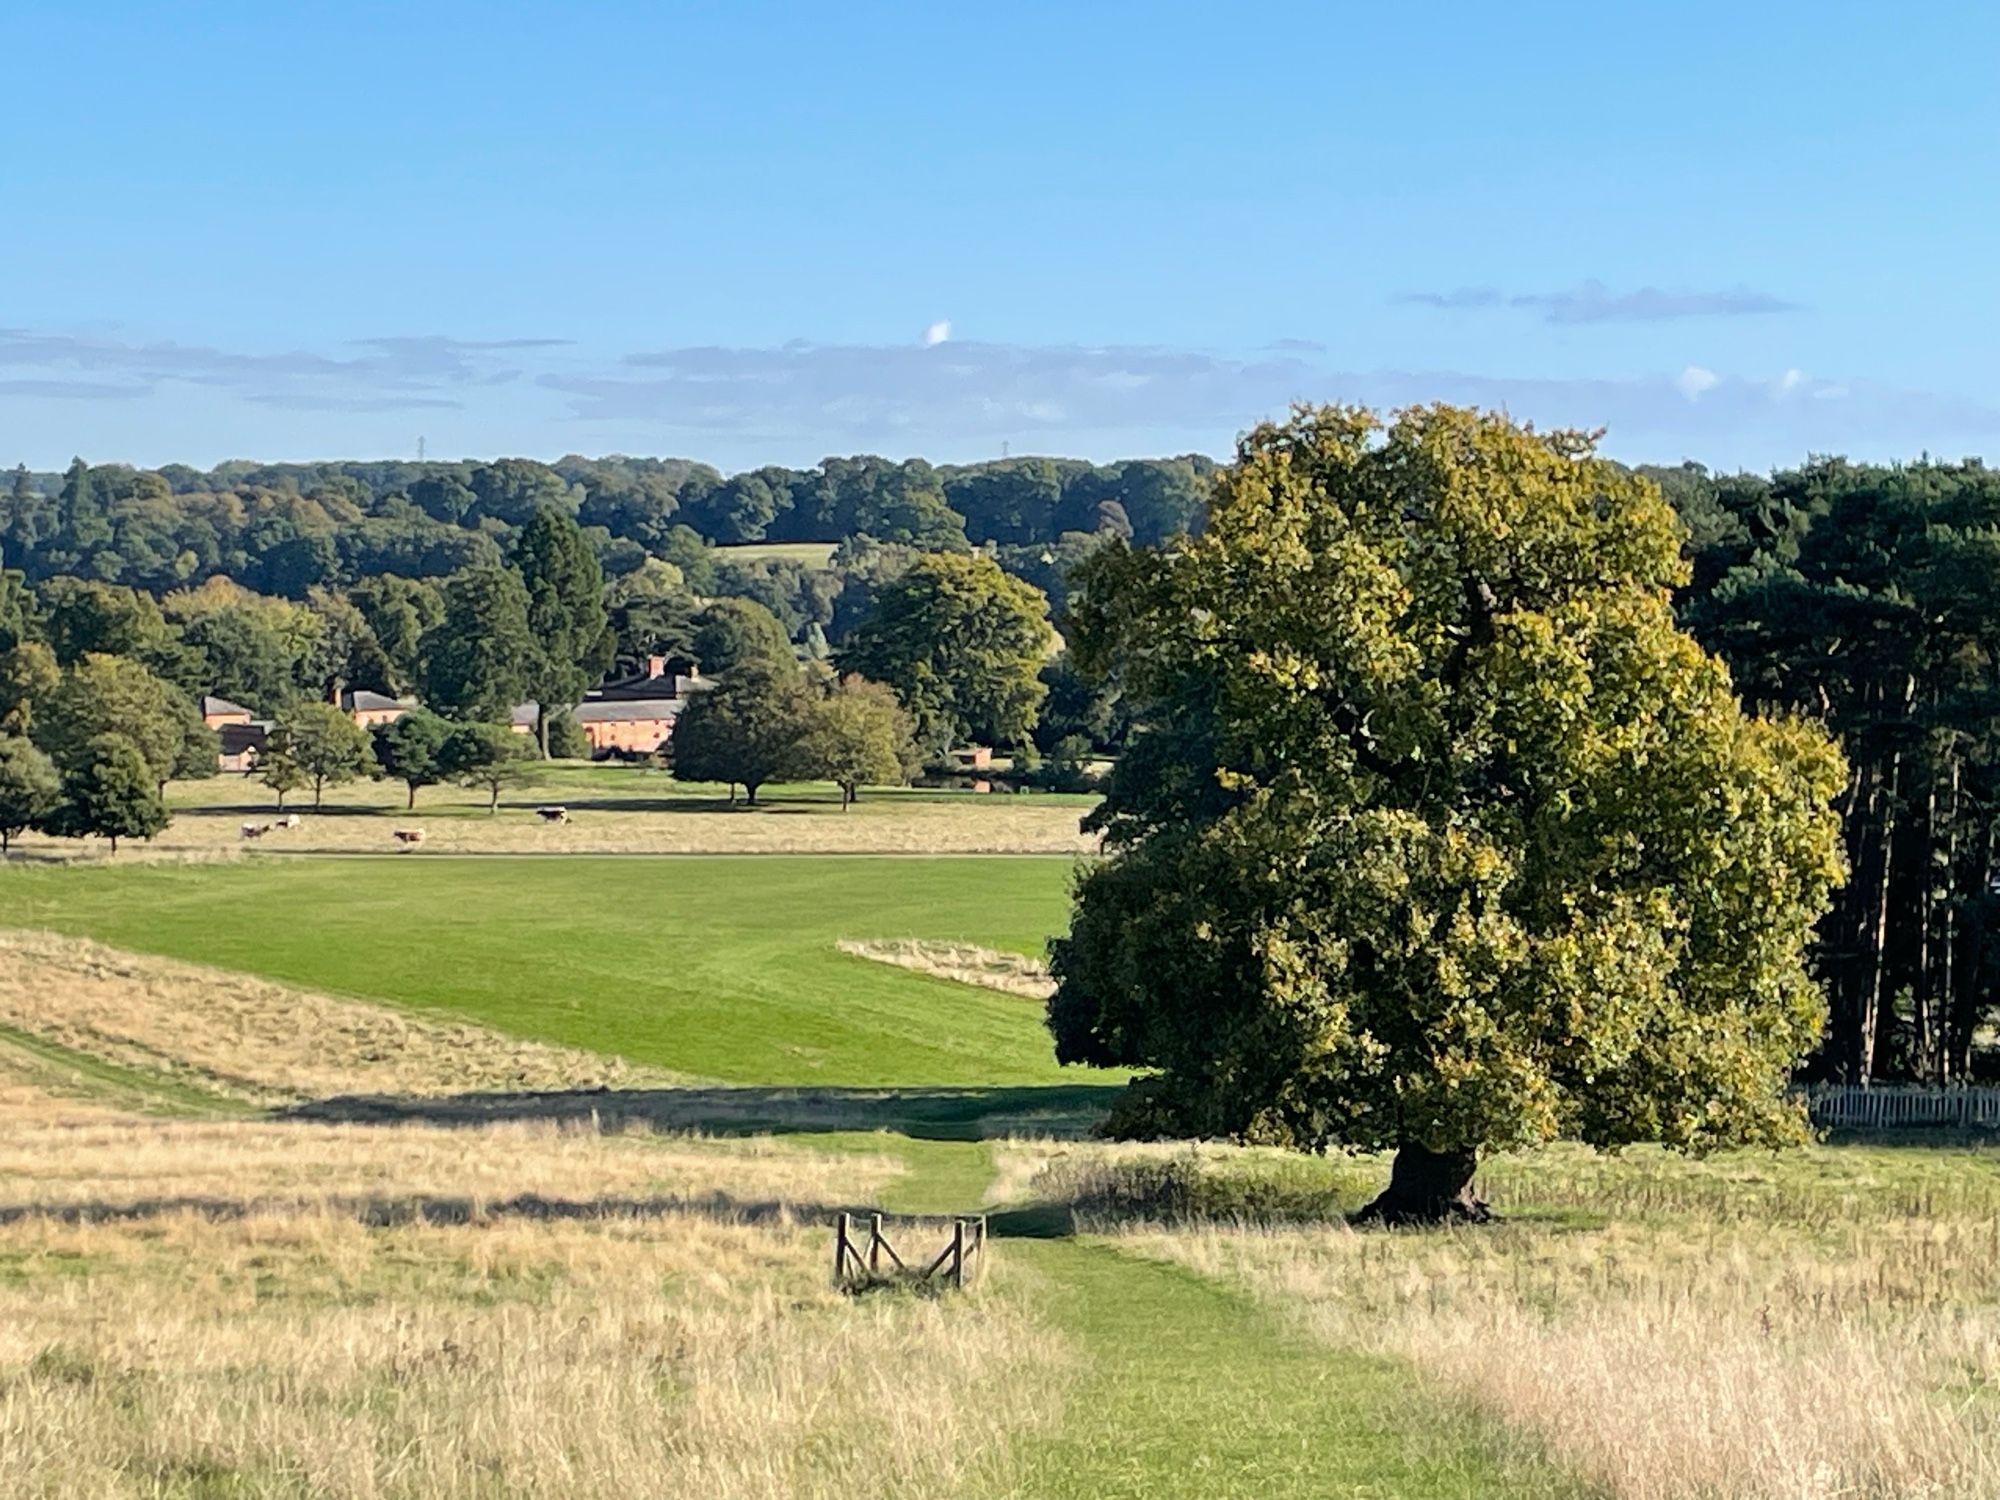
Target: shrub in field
1186	1187
567	741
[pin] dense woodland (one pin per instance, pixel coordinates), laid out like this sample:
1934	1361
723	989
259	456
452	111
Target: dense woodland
1865	597
285	528
1868	598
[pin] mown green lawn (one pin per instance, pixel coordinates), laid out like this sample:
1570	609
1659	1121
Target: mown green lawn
815	555
723	967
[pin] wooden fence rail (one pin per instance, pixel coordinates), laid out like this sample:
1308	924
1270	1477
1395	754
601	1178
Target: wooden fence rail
1901	1106
864	1259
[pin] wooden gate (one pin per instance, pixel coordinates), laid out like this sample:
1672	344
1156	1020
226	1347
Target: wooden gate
863	1256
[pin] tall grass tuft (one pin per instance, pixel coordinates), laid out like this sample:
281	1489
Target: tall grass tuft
1750	1327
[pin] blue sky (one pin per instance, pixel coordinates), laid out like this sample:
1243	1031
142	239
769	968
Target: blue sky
768	232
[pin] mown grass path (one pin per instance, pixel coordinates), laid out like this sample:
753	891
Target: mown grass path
1191	1389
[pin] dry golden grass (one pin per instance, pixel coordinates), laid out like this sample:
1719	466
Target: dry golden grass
964	963
1814	1336
249	1039
603	819
64	1155
236	1316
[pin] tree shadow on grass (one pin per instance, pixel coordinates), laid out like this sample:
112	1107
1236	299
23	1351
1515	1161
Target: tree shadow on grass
673	805
387	1211
267	811
1064	1111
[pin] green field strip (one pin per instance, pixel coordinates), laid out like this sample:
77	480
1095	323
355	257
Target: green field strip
65	1070
722	968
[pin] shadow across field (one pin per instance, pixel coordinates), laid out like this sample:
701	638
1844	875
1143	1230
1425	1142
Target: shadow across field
1040	1221
932	1114
387	1212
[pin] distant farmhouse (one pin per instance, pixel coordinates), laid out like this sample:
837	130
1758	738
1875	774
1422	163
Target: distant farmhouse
239	733
370	709
635	715
630	716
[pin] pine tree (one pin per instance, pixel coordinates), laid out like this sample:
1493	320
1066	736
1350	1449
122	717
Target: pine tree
566	615
84	527
479	660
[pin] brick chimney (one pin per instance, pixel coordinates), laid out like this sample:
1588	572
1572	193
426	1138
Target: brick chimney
656	666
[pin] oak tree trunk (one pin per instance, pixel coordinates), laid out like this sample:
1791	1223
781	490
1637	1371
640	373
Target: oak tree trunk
1428	1187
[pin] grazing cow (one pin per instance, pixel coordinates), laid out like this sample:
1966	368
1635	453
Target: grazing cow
409	836
552	814
291	820
254	830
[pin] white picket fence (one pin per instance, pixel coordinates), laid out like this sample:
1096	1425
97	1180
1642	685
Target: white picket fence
1902	1106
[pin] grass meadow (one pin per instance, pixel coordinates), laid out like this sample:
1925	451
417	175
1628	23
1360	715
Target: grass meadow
230	1308
720	968
816	555
1817	1323
391	1177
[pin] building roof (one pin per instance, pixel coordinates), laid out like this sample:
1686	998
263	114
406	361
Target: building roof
666	685
629	711
214	707
525	714
363	699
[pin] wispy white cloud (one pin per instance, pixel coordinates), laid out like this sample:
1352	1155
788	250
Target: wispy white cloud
73	390
947	396
937	333
388	373
1460	299
952	388
1594	302
1694	380
971	393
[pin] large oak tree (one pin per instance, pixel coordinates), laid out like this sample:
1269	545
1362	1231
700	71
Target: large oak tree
1437	835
